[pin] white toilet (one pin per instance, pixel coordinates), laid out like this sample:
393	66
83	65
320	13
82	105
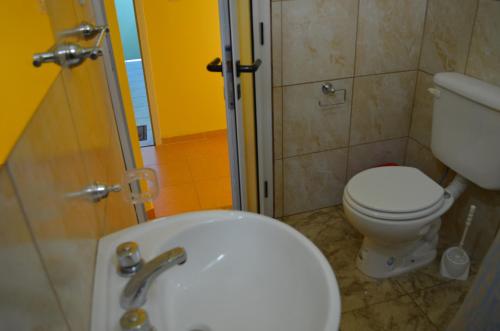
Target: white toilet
398	209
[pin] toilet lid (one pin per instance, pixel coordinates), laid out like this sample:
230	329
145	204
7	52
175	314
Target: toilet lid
394	190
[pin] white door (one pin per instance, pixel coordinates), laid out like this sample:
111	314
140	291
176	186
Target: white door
232	70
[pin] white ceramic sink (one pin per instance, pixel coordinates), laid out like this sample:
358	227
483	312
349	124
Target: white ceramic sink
244	272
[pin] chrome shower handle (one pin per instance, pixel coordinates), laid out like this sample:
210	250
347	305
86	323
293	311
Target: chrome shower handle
95	192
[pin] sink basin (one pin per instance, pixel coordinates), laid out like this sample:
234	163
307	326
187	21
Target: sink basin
244	272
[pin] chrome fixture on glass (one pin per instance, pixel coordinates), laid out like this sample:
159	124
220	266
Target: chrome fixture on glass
96	191
70	54
85	31
135	292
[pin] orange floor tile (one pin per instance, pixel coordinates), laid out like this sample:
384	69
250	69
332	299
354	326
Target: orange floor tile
193	173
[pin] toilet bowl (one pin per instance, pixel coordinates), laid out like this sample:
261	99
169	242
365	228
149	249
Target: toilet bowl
398	211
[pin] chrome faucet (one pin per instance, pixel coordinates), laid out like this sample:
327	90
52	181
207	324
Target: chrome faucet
135	292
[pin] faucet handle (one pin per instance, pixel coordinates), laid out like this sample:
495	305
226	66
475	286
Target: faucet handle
129	258
136	320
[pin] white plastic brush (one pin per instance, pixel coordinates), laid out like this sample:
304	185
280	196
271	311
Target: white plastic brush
468	221
455	262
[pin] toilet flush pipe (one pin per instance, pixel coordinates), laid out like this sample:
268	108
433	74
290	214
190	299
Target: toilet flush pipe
457	186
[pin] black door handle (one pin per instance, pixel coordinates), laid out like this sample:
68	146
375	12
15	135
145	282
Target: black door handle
215	65
249	68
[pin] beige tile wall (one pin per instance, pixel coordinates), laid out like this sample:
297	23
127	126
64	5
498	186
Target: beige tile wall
317	39
389	35
367	49
461	36
389	50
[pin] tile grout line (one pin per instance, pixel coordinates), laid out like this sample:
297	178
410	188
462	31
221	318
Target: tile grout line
344	147
282	170
351	105
396	298
310	210
422	309
349	77
419	60
469	48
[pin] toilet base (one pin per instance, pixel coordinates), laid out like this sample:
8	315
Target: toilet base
384	261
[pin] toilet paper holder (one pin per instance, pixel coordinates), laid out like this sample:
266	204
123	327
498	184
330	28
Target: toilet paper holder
330	91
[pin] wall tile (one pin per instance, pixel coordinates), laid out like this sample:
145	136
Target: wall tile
97	136
362	157
382	106
276	41
92	127
309	128
46	165
447	34
27	299
389	35
421	123
484	59
314	181
420	157
278	188
318	39
278	122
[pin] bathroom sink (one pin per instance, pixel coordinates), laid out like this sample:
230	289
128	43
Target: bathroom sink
243	272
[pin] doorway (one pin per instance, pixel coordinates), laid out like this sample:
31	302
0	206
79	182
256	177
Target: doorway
191	153
193	173
125	13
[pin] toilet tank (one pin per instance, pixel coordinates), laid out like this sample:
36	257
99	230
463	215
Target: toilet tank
466	128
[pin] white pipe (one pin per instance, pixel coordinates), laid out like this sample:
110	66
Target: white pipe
457	186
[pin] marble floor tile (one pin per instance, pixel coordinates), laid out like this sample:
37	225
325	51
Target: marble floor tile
340	242
358	290
420	300
400	314
442	302
324	227
342	255
423	278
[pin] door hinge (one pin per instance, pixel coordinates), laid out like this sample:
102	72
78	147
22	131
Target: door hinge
261	27
266	190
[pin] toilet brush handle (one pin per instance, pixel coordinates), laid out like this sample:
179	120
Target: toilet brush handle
468	222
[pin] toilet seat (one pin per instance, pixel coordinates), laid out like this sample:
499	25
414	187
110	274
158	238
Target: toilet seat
394	194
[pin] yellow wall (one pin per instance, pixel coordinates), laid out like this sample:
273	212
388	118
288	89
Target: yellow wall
25	30
183	36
